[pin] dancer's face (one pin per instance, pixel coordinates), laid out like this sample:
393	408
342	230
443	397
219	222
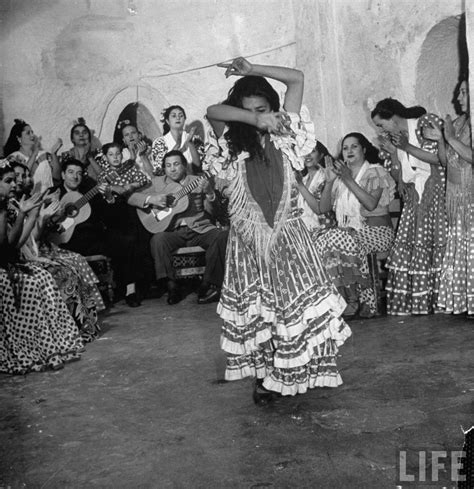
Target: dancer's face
256	104
352	151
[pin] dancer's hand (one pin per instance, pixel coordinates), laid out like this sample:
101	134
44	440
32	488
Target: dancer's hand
273	122
238	67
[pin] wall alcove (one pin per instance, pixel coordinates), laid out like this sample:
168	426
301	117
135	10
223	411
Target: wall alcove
141	105
138	115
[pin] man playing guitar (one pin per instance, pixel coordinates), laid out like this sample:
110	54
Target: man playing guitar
191	227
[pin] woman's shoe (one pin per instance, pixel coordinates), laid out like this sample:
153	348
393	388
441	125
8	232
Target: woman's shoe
132	300
262	396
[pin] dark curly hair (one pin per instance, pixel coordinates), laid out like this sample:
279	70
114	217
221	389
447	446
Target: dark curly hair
371	152
243	137
12	143
388	107
166	115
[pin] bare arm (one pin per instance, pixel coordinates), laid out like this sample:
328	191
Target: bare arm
401	142
368	200
463	150
293	79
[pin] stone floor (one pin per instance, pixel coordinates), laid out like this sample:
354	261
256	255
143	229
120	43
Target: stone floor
147	407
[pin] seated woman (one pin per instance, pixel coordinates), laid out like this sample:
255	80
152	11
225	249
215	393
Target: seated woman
83	149
73	275
360	191
36	330
175	138
338	247
136	148
24	147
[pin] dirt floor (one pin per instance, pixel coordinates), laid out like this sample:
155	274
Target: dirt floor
147	407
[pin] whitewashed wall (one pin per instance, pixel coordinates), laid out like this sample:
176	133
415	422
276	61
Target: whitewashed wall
68	58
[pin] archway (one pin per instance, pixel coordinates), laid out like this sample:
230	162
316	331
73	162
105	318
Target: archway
443	56
141	104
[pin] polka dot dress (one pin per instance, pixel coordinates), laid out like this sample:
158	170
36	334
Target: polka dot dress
36	330
457	277
414	262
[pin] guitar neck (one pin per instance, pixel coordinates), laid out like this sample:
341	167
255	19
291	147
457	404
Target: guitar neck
189	188
87	196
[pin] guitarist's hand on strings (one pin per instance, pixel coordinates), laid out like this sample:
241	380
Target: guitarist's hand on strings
160	201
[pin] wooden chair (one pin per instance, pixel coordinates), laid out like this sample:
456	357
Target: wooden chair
102	267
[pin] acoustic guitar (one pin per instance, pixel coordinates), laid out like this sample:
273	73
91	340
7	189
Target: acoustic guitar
76	209
158	220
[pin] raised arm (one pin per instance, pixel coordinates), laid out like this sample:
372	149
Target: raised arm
219	114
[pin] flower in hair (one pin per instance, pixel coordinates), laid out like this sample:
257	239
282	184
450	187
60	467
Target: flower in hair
79	120
4	163
123	123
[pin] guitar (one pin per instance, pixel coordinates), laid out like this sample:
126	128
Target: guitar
158	220
76	209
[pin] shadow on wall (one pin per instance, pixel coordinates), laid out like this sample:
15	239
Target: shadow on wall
443	56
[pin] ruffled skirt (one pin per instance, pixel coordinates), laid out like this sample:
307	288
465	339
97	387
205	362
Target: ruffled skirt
36	330
281	314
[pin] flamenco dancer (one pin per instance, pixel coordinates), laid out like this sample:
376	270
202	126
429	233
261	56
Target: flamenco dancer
282	315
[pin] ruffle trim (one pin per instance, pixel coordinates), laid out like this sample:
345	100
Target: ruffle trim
271	384
377	177
332	304
300	142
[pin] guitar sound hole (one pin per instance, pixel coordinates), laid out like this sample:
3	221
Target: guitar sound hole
71	210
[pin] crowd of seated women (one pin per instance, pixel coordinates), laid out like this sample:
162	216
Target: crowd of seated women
50	301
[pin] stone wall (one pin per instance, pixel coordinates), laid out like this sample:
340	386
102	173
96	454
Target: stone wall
68	58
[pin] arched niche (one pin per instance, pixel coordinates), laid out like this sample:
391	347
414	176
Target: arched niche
443	55
138	115
142	103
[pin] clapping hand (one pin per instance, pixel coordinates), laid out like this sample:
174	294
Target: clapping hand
238	67
386	143
330	171
400	140
57	146
50	209
34	202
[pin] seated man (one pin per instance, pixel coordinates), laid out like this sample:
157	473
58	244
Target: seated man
188	224
100	235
